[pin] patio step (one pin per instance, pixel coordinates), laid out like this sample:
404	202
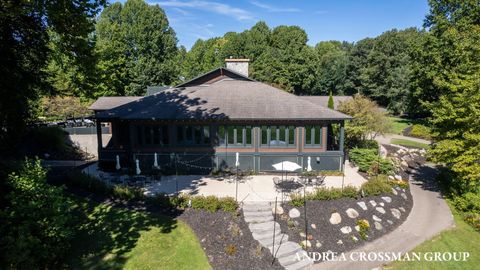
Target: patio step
298	256
258	219
265	234
285	249
268	233
268	242
256	207
264	226
258	213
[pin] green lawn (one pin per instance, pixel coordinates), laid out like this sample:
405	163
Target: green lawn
462	238
399	124
118	238
409	143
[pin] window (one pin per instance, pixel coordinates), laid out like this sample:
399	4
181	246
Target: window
278	136
313	135
193	135
236	136
152	135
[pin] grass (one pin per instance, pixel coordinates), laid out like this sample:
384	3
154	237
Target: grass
399	124
462	238
409	143
118	238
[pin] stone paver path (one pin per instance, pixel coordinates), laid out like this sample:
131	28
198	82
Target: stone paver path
261	223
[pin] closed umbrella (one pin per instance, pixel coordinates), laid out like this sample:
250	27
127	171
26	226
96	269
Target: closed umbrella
309	164
155	161
117	166
137	163
237	161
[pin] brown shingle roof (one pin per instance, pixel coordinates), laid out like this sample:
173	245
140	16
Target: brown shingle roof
323	100
107	103
225	99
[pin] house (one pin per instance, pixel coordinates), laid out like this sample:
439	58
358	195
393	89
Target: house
201	125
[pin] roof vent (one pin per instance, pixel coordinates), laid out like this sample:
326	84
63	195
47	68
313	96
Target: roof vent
238	65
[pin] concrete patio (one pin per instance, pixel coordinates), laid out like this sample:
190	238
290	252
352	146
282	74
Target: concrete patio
251	188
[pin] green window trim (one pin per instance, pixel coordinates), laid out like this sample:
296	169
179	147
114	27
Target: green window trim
235	136
277	137
313	136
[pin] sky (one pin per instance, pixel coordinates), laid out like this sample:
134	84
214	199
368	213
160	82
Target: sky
344	20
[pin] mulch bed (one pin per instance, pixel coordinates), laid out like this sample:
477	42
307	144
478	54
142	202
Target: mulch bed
319	213
219	231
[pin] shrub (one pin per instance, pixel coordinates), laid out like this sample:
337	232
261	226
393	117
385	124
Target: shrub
473	219
89	183
37	221
230	250
376	186
213	204
420	131
364	228
322	194
368	144
399	183
468	202
127	193
368	160
48	139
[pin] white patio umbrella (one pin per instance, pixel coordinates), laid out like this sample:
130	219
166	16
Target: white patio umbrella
286	166
137	163
309	164
117	166
155	161
237	161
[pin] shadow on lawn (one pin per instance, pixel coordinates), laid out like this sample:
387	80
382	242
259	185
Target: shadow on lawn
107	233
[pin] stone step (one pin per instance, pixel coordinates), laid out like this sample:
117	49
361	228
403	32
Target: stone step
279	239
265	234
258	219
258	213
303	264
265	226
285	249
293	258
256	207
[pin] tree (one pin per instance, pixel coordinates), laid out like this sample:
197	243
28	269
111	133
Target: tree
136	48
331	104
36	223
455	67
368	120
24	39
330	67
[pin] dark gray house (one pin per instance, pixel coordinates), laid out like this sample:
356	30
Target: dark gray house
201	124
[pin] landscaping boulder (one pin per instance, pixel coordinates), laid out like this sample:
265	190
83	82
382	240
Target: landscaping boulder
352	213
335	218
294	213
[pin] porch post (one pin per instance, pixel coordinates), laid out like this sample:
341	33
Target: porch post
99	138
342	135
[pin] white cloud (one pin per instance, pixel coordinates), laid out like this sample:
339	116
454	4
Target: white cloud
270	8
219	8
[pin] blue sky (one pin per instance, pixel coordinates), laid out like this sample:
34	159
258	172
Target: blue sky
348	20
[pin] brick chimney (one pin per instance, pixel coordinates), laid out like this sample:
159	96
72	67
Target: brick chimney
238	65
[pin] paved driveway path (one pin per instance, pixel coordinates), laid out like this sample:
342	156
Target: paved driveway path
385	139
429	216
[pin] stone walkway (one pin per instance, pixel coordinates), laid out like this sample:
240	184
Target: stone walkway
264	229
